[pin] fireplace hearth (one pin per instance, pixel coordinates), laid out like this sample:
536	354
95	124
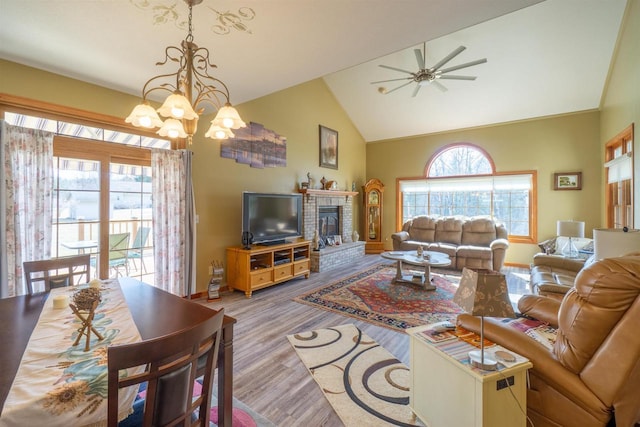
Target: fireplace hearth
330	213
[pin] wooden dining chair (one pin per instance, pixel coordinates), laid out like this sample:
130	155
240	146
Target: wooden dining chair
171	364
46	274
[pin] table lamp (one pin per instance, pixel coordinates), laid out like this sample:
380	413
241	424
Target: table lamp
483	293
570	229
614	242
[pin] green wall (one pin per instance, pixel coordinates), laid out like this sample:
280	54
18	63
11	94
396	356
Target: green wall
559	144
621	102
218	182
567	143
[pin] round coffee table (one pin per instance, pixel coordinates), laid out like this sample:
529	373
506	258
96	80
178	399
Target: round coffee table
421	278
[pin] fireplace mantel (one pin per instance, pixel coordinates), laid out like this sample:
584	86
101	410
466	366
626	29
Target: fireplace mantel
326	193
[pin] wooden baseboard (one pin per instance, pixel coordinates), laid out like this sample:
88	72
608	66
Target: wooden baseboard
515	264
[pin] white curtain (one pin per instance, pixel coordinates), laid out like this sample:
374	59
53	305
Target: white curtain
172	227
25	202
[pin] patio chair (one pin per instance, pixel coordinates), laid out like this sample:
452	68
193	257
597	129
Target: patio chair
139	242
119	252
52	273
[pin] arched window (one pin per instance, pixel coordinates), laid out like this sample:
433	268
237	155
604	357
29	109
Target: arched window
458	160
460	179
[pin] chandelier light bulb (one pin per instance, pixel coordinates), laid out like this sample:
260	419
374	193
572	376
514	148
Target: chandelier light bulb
177	113
172	128
143	115
229	118
145	122
217	132
177	106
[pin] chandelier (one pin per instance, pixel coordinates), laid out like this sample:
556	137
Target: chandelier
192	90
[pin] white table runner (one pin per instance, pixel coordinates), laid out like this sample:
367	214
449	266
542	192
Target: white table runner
59	384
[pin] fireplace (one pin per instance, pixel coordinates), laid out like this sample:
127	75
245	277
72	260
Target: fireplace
330	213
328	222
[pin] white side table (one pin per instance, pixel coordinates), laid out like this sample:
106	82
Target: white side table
446	392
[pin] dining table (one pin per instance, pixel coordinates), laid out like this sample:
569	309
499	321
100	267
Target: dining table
154	312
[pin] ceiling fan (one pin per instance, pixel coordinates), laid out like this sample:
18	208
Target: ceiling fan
425	76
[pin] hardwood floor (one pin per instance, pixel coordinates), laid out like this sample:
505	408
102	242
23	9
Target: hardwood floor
268	375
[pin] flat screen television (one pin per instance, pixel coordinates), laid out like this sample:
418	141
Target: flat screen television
271	218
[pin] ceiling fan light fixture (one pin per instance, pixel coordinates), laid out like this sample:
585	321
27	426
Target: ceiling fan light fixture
425	76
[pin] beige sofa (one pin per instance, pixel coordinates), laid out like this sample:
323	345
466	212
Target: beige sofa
475	242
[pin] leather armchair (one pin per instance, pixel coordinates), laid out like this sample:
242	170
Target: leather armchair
592	374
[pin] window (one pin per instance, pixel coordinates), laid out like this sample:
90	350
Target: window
619	188
461	180
102	195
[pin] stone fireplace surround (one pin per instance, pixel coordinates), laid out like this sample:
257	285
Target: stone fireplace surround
331	256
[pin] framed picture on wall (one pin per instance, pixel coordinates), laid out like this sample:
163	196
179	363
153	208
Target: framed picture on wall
567	181
328	148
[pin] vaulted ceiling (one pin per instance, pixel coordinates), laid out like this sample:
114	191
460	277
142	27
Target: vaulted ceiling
543	57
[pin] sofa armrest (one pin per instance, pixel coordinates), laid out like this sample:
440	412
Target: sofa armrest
400	236
545	364
558	262
542	308
499	244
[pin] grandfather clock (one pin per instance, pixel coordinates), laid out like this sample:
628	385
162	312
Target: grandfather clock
372	196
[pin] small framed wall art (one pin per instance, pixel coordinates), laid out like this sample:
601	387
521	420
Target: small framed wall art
328	147
567	181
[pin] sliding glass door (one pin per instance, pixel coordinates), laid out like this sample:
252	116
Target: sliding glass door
103	206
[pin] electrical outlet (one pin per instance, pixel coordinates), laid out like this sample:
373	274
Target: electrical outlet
210	270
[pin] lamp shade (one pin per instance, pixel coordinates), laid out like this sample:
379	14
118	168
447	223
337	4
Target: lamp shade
229	118
570	228
614	242
143	115
172	128
483	293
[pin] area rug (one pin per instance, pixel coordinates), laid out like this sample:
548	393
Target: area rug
242	415
362	381
371	296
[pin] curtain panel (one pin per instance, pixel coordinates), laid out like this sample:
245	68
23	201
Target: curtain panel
25	202
172	228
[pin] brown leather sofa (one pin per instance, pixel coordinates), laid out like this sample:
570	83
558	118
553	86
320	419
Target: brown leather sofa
472	242
592	375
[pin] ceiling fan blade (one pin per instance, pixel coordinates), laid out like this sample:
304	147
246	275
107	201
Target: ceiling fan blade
392	80
439	85
448	58
465	65
416	90
457	77
399	87
419	58
395	69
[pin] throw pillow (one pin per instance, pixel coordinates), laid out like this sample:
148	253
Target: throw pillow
548	246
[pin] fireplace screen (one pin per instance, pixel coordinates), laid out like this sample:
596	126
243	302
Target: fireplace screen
328	222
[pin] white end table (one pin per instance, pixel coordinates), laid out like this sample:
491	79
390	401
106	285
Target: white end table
428	259
446	391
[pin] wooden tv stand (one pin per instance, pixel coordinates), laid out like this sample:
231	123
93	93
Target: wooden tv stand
263	266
